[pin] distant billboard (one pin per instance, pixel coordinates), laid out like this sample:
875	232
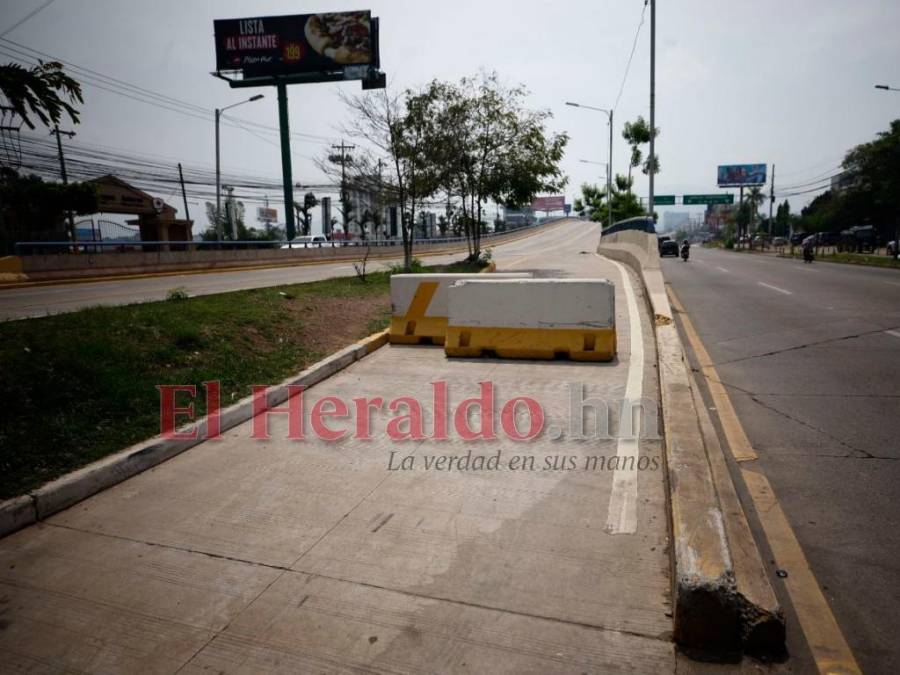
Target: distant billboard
298	43
557	203
264	214
736	175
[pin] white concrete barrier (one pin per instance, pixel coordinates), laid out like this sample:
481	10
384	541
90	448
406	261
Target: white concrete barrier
419	304
533	318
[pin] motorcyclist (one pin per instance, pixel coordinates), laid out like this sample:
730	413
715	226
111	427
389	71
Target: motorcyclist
685	249
808	250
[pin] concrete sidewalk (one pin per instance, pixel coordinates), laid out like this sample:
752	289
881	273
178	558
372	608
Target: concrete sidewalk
242	555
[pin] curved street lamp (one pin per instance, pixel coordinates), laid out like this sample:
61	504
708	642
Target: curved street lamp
609	115
219	112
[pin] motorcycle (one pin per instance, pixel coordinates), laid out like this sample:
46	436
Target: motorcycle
808	254
685	252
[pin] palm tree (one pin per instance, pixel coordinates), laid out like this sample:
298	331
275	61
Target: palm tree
754	198
44	90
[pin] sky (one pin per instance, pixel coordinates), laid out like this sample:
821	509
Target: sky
783	83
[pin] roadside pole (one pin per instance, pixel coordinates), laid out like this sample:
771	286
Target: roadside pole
187	214
289	226
62	168
771	200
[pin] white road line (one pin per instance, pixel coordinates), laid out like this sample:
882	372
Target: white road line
622	515
893	283
775	288
722	269
893	332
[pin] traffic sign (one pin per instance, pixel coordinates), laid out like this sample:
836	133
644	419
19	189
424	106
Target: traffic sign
726	198
663	200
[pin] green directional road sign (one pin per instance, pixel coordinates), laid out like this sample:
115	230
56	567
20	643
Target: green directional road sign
663	199
726	198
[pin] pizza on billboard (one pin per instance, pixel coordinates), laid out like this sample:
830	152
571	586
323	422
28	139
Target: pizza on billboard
300	43
343	37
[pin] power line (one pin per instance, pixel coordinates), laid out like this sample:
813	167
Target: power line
134	92
30	14
631	56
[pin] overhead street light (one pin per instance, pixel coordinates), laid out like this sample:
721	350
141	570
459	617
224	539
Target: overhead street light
609	115
897	228
219	112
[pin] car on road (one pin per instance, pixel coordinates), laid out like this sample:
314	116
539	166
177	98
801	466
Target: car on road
309	241
668	247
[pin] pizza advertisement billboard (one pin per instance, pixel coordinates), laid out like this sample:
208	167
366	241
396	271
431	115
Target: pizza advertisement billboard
737	175
557	203
298	43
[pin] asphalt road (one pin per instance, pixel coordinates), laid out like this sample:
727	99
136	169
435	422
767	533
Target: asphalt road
34	301
810	356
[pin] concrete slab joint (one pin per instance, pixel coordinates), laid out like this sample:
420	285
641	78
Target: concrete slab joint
723	598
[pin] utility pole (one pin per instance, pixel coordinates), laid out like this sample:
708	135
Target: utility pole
771	200
187	214
62	168
652	159
343	160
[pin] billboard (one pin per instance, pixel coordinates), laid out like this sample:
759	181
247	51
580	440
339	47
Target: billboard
297	43
736	175
264	214
557	203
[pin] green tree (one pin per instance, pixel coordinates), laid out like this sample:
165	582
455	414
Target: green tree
44	91
593	204
636	134
32	209
304	210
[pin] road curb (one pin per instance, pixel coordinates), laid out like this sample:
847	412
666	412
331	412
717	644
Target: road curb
713	609
82	483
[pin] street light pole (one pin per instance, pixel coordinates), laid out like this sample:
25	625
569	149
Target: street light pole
896	224
219	112
609	115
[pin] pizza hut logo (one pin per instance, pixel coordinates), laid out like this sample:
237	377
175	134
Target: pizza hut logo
292	52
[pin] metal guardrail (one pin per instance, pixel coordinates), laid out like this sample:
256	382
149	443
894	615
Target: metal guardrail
62	247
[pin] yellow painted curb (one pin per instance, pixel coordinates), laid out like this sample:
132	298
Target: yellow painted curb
576	344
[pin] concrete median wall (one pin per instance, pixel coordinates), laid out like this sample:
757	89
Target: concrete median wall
532	318
714	608
419	305
49	267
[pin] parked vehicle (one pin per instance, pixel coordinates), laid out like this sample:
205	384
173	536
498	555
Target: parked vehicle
892	248
797	238
858	239
779	241
827	238
310	241
668	247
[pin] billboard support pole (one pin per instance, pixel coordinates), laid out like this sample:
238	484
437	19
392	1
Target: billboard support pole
740	225
290	229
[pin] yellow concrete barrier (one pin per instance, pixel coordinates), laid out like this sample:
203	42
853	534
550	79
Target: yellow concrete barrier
532	319
419	305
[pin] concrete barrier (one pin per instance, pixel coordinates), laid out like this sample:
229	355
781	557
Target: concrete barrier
419	305
532	318
722	596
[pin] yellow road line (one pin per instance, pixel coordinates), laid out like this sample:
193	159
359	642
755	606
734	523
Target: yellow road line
737	439
830	650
